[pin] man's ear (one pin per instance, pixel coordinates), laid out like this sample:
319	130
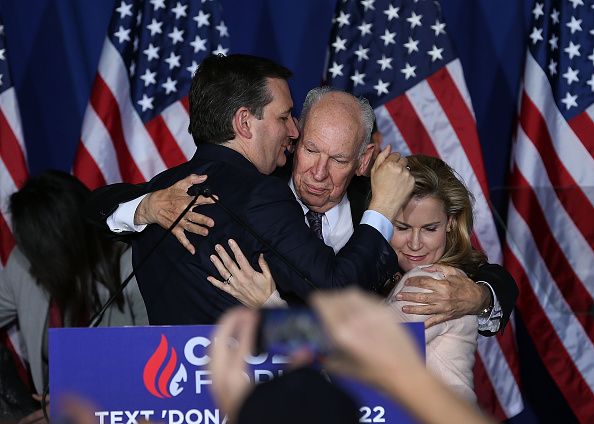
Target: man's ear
242	123
365	158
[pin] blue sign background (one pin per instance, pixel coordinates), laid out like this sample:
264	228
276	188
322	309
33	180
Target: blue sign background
106	366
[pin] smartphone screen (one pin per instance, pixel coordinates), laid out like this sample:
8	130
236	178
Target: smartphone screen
286	331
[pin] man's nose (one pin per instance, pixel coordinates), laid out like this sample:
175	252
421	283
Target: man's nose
293	130
320	170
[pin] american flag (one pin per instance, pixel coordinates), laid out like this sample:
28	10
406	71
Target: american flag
398	55
550	237
136	122
13	173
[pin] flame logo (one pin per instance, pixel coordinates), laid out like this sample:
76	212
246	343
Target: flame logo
158	376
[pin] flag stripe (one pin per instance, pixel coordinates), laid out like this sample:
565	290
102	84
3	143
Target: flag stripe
10	108
502	377
390	132
551	349
462	121
574	201
185	101
98	144
139	143
6	241
570	240
85	168
11	153
583	127
165	142
485	392
21	369
565	324
565	143
107	108
409	125
177	120
568	282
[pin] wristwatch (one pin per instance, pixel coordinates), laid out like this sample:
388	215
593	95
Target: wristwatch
486	312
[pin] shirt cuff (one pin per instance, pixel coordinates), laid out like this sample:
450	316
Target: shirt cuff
493	321
275	301
379	222
123	217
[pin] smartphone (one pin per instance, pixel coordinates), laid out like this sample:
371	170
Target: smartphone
286	331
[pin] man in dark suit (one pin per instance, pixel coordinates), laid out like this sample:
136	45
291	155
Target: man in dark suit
320	183
240	119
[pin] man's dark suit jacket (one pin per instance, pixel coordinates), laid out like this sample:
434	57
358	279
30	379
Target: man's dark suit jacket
173	282
503	284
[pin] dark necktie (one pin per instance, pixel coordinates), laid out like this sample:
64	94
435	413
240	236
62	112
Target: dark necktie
315	223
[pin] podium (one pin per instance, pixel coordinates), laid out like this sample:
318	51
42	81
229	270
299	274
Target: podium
160	373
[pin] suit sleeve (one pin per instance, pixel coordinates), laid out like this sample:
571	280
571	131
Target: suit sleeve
505	289
367	260
105	200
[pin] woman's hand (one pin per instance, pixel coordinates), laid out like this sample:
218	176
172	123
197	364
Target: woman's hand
240	280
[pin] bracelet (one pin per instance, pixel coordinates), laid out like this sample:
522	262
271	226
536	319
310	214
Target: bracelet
486	312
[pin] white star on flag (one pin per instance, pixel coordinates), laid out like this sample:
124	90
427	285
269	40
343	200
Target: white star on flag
155	27
336	70
414	20
392	12
151	52
122	34
571	75
409	71
357	78
176	36
388	37
381	87
202	19
179	10
385	62
146	102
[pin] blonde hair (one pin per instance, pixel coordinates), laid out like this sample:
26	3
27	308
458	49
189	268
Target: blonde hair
434	178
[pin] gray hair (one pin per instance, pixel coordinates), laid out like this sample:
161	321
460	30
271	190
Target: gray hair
366	112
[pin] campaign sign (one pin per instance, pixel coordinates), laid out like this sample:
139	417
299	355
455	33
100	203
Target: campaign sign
161	374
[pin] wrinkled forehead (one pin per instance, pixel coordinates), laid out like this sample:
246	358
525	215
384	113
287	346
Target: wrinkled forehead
333	127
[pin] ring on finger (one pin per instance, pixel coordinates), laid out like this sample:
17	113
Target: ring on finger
228	280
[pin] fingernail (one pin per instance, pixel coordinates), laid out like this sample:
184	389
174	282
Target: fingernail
218	247
398	296
211	258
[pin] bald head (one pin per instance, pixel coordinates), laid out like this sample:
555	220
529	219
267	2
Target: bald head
334	146
352	111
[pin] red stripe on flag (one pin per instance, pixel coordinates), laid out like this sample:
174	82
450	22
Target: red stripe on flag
507	343
165	142
583	127
86	169
6	240
577	297
462	121
412	129
21	368
485	392
571	196
108	110
11	153
186	103
551	349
